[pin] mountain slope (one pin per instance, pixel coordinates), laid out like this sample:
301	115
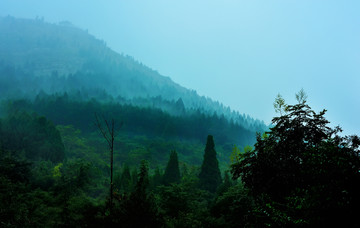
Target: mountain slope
62	58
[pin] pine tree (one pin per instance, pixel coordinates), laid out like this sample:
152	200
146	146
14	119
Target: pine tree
180	107
140	209
172	171
125	179
225	185
210	176
156	178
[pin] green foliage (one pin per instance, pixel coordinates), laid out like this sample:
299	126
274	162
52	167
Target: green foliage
64	110
144	134
235	154
36	137
56	172
22	206
184	204
80	211
143	178
234	208
280	105
301	97
74	175
71	190
76	146
172	171
157	178
125	180
14	169
303	173
210	176
300	173
62	58
227	183
42	175
139	208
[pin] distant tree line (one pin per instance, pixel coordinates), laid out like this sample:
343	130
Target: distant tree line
63	110
17	83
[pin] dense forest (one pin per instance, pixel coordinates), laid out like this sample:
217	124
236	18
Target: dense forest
36	56
92	138
300	173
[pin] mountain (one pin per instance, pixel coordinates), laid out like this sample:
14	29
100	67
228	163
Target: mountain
59	88
56	58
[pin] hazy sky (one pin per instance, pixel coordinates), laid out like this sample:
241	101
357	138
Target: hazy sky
241	53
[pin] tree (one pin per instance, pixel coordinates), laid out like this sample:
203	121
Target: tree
71	181
302	172
180	107
279	104
172	172
34	135
140	210
109	136
227	183
157	178
210	176
122	180
234	208
184	204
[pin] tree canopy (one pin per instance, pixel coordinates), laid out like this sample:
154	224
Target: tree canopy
302	170
172	171
210	176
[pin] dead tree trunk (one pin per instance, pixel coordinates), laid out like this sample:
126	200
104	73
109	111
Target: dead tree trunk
109	135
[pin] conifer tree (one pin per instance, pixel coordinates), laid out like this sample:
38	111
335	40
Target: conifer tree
210	176
157	178
125	179
140	209
172	171
227	183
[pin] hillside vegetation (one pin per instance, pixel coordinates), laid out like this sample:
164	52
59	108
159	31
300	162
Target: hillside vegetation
92	138
54	58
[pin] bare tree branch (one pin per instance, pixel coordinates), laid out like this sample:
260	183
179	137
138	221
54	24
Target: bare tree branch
102	131
109	136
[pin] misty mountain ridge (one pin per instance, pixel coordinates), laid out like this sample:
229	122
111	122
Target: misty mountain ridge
36	56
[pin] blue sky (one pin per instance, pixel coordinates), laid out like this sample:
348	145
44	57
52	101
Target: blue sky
241	53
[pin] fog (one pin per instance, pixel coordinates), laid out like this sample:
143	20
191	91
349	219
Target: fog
241	53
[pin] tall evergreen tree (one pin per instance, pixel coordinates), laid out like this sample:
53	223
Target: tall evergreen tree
140	209
210	176
227	183
172	171
157	178
125	179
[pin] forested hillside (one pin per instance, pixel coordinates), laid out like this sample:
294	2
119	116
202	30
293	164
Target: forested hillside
92	138
301	173
37	56
56	81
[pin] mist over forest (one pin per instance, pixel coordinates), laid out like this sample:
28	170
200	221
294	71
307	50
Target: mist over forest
93	138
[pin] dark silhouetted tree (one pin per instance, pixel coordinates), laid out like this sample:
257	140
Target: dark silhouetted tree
210	176
172	172
125	179
157	178
227	183
109	136
140	209
303	172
